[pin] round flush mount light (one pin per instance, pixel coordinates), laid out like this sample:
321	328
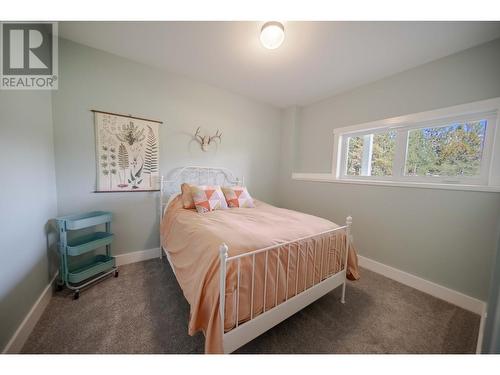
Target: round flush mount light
272	34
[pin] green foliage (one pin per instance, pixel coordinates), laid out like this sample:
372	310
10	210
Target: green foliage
453	150
446	151
383	153
354	156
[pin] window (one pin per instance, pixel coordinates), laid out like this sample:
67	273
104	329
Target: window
450	150
371	154
438	147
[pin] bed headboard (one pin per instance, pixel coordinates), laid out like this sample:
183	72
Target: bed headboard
171	184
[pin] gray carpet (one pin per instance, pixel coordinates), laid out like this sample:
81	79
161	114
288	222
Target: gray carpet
144	311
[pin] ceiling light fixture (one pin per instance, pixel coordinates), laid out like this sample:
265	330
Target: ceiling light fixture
272	34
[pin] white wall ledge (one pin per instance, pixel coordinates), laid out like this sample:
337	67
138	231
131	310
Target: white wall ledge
328	177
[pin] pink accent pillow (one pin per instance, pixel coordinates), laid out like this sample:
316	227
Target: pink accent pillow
238	196
208	198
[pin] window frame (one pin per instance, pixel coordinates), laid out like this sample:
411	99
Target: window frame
488	110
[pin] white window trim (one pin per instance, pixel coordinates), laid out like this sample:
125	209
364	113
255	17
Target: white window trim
490	164
402	143
328	177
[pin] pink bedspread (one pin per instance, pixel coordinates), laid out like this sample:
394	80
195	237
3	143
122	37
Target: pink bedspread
193	240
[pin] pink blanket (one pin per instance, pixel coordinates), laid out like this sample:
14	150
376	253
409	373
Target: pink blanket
193	240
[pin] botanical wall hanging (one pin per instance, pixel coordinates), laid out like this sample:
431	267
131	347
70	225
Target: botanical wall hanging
127	152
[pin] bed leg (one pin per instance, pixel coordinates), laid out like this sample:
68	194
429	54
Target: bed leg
347	244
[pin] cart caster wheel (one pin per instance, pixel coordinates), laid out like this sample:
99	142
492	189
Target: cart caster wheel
116	273
76	295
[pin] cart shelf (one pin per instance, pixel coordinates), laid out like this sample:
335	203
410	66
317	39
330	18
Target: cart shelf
99	264
88	219
84	244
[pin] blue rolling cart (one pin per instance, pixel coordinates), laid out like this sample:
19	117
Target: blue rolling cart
96	266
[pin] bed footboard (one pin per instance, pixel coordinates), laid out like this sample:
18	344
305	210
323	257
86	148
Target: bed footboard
324	279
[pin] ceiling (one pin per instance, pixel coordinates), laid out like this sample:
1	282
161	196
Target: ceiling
316	60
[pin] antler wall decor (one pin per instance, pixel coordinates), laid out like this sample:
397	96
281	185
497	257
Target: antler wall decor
206	140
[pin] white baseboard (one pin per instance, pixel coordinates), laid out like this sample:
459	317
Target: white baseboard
137	256
22	333
449	295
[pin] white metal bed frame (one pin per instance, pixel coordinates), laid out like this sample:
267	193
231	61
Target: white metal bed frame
246	331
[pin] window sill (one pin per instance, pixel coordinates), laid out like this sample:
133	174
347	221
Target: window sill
328	177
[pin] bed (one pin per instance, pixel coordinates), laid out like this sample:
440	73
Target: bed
244	270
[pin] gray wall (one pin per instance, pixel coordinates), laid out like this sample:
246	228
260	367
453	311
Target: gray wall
92	79
27	202
444	236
